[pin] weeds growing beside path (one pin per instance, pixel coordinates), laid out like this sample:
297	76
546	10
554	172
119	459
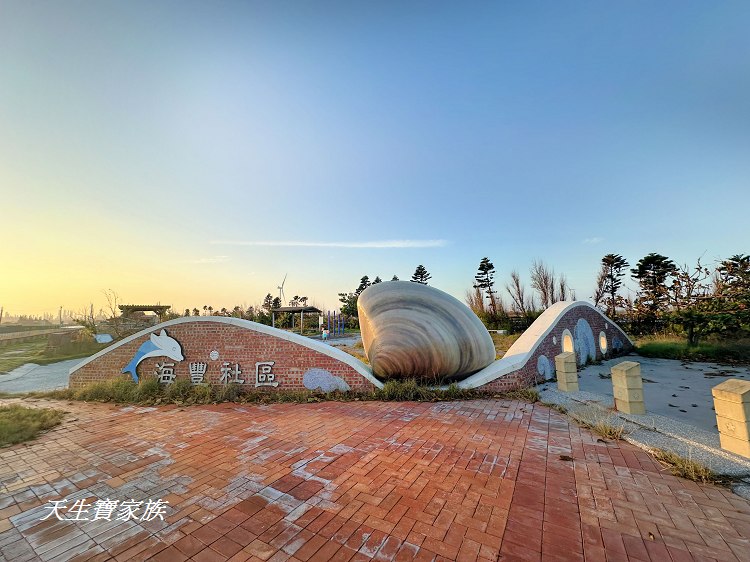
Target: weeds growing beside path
688	468
19	423
182	391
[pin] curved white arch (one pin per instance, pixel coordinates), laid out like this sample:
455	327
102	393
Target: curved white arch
523	349
325	349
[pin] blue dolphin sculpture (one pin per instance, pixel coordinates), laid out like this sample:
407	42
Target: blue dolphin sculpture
160	345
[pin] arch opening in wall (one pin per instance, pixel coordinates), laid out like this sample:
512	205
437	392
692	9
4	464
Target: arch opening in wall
603	343
567	341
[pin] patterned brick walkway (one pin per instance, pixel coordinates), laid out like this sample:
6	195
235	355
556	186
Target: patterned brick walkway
481	480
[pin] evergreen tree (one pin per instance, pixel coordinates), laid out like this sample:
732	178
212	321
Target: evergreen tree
348	304
420	275
732	298
267	303
734	275
394	278
363	284
652	272
377	280
276	303
484	281
349	300
613	270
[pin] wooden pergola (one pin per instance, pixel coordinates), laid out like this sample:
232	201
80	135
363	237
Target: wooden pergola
294	310
158	309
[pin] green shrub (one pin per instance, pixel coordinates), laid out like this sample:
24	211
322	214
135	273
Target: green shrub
96	392
201	394
453	392
148	390
227	392
181	390
123	390
529	394
399	391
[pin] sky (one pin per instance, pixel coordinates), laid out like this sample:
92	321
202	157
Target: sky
196	153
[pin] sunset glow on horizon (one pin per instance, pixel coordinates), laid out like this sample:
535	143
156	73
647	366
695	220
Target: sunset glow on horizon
195	154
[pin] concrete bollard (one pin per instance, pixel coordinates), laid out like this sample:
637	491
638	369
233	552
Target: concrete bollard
628	387
732	405
567	372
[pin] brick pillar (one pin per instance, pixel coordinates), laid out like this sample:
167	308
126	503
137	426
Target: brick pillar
628	387
567	372
732	405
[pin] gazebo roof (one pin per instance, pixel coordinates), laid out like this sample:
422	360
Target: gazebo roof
156	308
296	309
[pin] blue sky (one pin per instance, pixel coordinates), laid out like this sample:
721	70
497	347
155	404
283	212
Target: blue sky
154	147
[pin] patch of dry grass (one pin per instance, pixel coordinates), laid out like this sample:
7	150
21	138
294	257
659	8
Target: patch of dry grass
688	468
603	424
19	423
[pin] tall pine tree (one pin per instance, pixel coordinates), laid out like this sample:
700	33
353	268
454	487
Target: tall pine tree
652	272
484	281
613	270
420	275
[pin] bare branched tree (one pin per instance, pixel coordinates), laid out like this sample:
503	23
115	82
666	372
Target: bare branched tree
548	289
689	285
563	290
601	286
543	282
497	304
86	319
114	312
517	293
475	301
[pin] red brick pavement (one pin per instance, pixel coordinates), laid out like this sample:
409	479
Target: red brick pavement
480	480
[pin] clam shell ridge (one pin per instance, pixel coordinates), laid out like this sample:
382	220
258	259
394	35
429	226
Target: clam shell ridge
411	330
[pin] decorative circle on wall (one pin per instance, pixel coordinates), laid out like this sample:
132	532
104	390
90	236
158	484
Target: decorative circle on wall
585	346
567	341
545	368
603	343
320	379
214	355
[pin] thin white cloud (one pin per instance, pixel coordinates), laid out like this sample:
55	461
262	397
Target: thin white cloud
594	240
212	259
369	244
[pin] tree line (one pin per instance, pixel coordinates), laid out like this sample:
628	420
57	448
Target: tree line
349	299
694	301
523	305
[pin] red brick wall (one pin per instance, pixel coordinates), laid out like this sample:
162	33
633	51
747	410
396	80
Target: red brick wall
235	344
528	374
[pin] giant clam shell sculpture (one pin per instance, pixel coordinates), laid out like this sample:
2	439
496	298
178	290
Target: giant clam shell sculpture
411	330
